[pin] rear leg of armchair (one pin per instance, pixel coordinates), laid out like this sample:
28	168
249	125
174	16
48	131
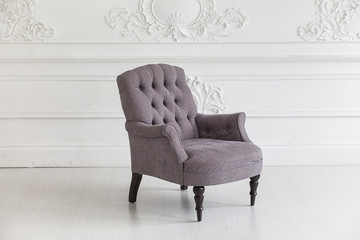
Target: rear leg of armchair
134	187
183	187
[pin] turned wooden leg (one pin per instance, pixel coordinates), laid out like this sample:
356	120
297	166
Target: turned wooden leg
199	198
253	186
134	187
183	187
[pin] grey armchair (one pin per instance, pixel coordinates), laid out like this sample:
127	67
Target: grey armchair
171	141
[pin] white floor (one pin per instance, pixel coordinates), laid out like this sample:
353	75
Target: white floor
91	203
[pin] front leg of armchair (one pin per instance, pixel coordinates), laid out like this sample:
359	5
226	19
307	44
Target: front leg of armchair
134	186
253	187
199	199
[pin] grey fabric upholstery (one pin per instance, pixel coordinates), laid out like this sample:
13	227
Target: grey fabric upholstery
156	151
222	126
213	161
158	94
171	141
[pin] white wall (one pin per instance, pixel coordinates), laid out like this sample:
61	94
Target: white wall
59	104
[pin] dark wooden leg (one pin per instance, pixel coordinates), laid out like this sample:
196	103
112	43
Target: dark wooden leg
199	198
184	187
134	187
253	186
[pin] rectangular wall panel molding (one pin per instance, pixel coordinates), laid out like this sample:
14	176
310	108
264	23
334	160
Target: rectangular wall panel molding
120	115
228	77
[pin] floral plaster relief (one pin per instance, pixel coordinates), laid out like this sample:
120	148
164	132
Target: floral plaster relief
18	22
332	17
175	20
208	98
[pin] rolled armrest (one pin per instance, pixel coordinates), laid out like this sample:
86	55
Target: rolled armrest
145	130
158	131
222	126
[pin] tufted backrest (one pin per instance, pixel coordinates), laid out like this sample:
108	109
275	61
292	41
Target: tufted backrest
158	94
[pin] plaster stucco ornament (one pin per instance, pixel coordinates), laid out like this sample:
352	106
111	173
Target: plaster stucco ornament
18	22
175	20
332	16
208	98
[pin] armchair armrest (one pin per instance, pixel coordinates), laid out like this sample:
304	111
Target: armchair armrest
167	131
222	126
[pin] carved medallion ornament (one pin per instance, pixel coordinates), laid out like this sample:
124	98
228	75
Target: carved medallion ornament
208	98
201	20
332	17
17	22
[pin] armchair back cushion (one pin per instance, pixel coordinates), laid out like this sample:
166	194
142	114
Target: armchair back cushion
158	94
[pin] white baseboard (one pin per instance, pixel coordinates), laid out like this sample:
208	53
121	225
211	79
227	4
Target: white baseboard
64	156
119	156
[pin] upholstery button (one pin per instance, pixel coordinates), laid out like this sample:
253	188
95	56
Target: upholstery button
164	103
153	105
165	121
227	128
153	122
141	88
207	130
153	85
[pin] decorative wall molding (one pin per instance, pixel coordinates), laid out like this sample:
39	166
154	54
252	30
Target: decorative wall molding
208	98
18	22
120	116
207	78
145	22
332	17
187	59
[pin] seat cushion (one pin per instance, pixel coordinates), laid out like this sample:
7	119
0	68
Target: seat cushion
214	161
